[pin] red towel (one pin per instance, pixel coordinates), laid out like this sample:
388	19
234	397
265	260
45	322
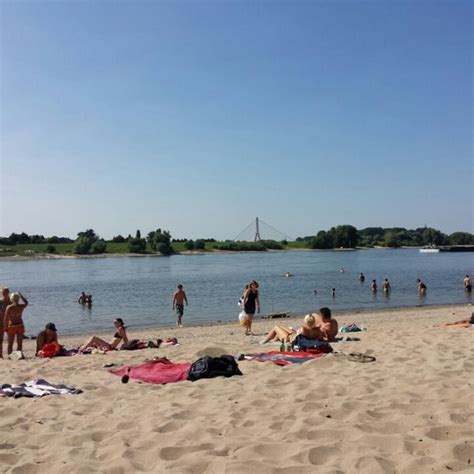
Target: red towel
157	371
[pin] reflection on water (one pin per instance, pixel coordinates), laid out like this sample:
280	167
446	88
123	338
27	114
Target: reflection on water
140	289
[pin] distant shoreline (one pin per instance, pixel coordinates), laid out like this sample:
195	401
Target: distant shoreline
45	256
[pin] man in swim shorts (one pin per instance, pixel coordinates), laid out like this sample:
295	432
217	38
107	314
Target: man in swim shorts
4	302
179	298
13	321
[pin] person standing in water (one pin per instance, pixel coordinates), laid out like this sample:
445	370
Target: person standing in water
361	277
421	286
386	286
179	298
82	299
467	284
373	286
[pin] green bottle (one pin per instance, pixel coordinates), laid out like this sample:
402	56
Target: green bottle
282	346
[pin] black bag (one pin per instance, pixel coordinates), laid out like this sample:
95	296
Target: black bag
208	367
305	344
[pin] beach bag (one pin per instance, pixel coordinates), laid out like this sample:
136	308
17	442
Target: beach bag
208	367
306	344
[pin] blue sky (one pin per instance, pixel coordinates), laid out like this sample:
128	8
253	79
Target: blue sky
198	116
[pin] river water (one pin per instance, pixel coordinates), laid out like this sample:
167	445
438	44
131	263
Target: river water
140	289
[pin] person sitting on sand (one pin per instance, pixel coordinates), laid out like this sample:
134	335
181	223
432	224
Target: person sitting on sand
48	335
120	337
13	321
326	324
283	333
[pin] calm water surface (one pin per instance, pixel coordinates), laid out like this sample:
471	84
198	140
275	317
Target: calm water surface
139	289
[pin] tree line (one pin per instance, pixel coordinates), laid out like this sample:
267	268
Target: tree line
347	236
343	236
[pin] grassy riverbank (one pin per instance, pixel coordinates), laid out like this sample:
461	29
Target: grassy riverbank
67	249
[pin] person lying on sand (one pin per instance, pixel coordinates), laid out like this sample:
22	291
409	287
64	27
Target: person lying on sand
464	323
119	337
283	333
48	335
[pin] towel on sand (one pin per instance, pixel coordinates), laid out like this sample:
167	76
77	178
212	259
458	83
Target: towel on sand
159	371
36	388
282	358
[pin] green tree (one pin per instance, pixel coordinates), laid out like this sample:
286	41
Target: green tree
99	246
461	238
391	239
189	245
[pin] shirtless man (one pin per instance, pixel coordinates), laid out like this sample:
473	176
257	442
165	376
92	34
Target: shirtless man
13	321
386	286
373	286
179	298
361	277
421	286
467	283
48	335
82	299
327	326
4	302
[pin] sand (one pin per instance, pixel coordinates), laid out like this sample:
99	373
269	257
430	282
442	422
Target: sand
408	412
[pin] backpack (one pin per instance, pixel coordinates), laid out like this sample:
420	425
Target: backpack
209	367
311	345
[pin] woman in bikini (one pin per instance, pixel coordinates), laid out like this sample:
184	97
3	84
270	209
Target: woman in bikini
120	337
13	321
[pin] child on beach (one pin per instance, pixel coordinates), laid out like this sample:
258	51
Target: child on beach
179	298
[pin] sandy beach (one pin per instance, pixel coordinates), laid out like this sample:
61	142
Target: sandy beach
410	411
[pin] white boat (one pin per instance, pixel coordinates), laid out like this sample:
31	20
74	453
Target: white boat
428	250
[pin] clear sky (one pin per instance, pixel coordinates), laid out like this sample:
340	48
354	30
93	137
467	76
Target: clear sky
197	116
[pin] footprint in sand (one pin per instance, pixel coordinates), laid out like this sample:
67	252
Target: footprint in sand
465	452
442	433
176	452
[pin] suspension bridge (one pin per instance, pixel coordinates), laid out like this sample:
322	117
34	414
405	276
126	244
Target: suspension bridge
259	230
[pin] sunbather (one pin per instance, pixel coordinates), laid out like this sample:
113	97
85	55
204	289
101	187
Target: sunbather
283	333
465	323
120	337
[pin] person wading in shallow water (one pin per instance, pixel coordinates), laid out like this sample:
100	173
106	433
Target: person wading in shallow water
179	298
